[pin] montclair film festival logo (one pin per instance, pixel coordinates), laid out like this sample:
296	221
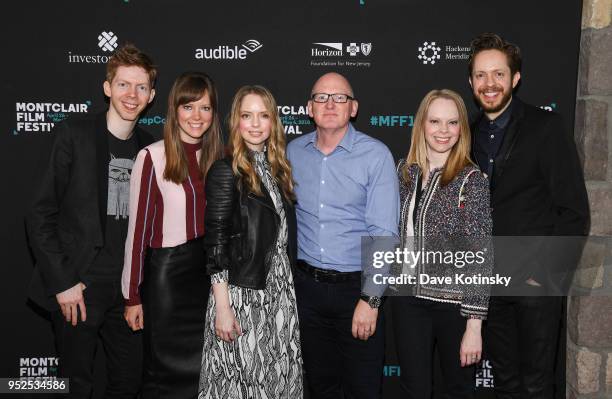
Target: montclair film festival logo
339	54
228	52
483	377
294	118
38	367
42	117
107	43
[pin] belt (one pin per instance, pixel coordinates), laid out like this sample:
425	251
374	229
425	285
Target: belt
326	275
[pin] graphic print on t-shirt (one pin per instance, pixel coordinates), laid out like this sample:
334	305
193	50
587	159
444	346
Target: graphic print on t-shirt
119	172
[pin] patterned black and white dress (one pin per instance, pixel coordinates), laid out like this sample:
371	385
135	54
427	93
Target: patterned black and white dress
266	361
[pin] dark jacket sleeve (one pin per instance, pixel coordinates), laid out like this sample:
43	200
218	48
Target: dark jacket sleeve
560	166
42	220
220	203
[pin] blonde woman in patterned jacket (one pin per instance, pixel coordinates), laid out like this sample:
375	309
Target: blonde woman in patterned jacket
444	198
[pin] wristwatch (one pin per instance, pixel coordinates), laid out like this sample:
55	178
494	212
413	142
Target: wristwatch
373	301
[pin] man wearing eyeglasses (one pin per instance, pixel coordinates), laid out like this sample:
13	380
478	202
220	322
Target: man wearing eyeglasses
346	189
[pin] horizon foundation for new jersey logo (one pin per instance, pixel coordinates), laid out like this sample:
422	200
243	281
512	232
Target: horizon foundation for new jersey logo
337	54
228	52
107	42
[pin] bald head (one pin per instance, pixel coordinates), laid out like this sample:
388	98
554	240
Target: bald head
332	79
330	116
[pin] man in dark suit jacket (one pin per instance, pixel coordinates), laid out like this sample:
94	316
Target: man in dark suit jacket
77	228
537	195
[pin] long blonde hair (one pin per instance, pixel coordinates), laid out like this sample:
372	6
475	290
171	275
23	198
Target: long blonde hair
190	86
459	156
241	162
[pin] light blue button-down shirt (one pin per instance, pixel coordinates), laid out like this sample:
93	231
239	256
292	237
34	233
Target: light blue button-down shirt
344	196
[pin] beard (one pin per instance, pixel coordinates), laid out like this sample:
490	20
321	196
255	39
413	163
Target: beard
492	108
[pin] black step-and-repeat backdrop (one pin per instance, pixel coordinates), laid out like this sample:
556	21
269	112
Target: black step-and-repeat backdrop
393	52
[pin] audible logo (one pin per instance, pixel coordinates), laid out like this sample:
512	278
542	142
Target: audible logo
225	52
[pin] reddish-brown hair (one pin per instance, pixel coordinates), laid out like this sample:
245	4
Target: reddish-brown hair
189	87
130	55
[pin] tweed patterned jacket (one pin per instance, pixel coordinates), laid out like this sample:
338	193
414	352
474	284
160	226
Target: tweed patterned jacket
449	219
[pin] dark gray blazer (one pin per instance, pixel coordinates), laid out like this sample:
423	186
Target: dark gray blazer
67	218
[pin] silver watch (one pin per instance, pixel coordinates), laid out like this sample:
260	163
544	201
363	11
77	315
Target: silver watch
373	301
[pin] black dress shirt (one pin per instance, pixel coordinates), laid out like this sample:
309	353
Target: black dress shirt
489	138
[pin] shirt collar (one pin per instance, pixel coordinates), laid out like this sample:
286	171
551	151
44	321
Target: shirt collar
347	141
502	120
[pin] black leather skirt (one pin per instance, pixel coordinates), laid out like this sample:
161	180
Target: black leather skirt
174	296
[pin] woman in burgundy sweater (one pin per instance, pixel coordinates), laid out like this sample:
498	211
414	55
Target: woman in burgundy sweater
164	281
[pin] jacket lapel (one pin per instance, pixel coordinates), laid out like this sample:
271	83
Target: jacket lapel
510	137
265	198
474	130
102	159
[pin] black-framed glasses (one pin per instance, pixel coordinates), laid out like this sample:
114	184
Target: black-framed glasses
336	97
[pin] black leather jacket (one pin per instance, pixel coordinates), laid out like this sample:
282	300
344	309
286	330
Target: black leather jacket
241	228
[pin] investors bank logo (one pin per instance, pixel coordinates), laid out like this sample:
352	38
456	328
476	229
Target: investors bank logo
341	54
42	116
106	42
229	52
432	52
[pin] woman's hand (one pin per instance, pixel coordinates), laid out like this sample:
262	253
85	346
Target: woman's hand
134	317
226	325
471	343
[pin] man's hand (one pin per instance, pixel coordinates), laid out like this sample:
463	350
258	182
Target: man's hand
69	300
471	343
134	317
364	320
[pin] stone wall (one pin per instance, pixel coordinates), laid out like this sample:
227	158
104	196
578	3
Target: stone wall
589	343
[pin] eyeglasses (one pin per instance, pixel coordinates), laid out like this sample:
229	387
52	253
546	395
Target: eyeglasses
336	97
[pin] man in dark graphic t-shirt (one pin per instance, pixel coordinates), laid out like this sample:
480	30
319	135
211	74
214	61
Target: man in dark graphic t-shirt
108	264
77	227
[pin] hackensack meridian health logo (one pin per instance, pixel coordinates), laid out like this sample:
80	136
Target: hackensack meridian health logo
429	53
228	52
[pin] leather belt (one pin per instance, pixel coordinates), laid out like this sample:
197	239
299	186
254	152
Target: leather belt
327	275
